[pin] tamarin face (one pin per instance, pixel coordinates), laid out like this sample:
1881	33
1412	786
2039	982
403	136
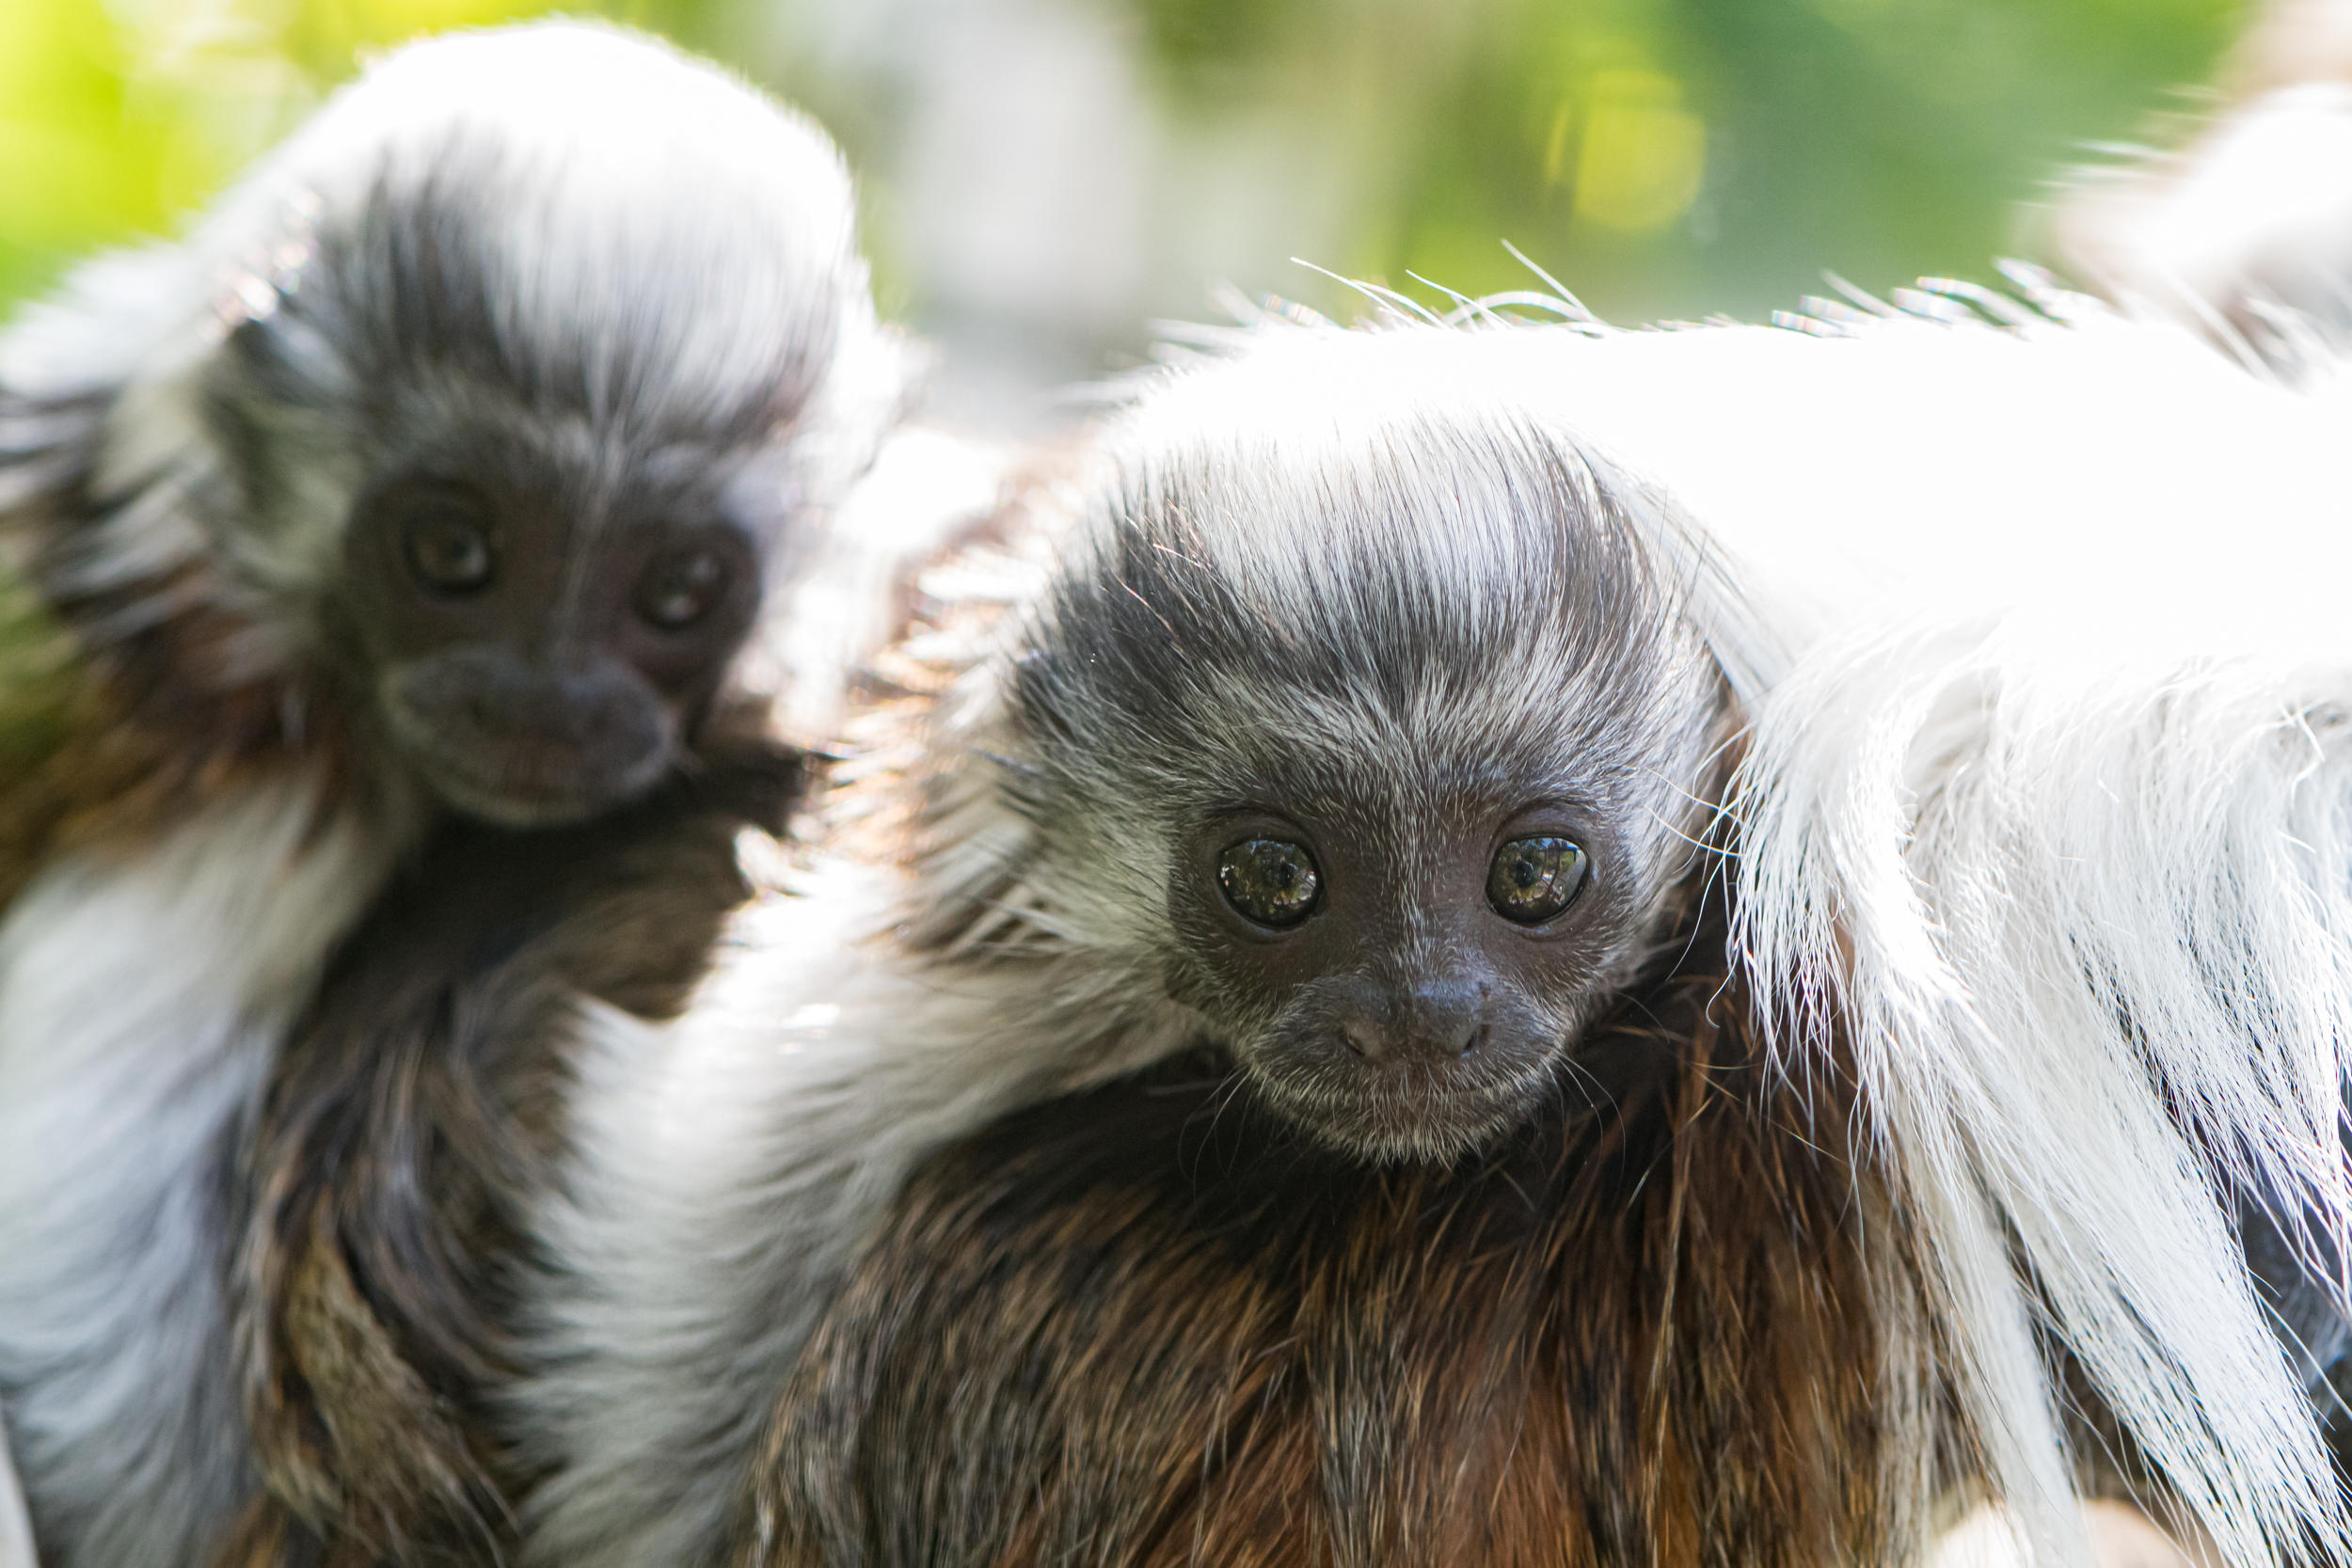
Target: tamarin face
528	524
519	370
534	598
1404	973
1377	741
537	650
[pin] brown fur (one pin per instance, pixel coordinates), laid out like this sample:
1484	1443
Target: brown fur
412	1114
1139	1327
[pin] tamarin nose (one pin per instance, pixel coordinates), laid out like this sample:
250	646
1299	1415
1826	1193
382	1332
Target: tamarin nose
1431	1025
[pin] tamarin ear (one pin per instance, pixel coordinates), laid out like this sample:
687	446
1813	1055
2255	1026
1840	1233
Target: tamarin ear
128	687
130	444
251	398
282	350
103	489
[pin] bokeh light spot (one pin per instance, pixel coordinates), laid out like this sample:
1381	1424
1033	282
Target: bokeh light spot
1644	155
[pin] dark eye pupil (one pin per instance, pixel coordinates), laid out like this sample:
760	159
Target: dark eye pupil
682	589
1268	881
448	551
1534	879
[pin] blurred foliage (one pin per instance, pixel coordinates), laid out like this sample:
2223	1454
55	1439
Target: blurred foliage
118	116
1664	156
1692	156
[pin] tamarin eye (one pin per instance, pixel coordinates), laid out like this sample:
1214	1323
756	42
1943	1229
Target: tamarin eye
448	550
1534	879
679	590
1269	881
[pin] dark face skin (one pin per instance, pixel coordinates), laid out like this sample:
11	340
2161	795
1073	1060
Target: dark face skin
533	667
1404	995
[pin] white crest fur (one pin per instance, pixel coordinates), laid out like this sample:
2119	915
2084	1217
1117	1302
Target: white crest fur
620	162
2038	628
2038	637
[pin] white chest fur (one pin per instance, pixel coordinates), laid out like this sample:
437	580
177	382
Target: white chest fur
140	1001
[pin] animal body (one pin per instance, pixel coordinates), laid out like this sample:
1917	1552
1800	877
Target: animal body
1396	909
434	478
2011	744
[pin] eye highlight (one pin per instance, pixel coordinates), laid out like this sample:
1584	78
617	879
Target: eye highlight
1534	878
1269	881
679	590
447	549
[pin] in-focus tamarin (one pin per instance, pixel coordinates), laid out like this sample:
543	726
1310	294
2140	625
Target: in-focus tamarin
435	476
1367	742
1336	611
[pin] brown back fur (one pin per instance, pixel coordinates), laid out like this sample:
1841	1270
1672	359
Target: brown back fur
1672	1325
412	1114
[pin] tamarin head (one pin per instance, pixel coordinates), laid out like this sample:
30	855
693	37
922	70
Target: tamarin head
1363	722
485	405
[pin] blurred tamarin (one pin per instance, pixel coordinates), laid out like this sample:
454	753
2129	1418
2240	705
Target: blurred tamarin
2241	223
433	478
2036	867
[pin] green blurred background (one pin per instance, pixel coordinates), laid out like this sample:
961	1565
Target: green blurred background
1044	175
